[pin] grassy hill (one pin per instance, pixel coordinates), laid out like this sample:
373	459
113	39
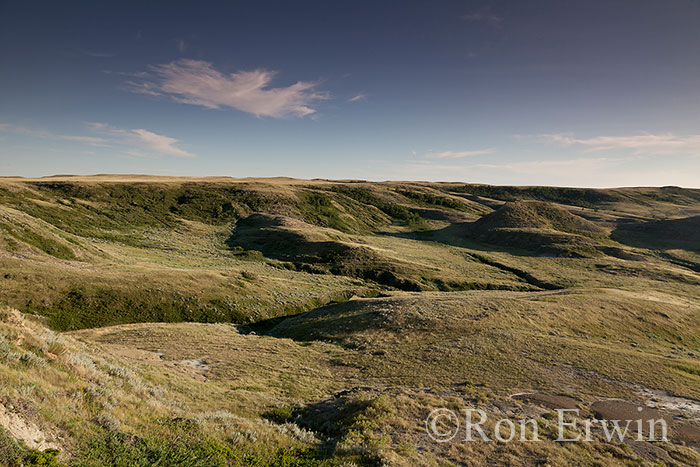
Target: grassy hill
542	227
537	215
294	322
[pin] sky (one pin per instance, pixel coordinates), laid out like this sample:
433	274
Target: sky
539	92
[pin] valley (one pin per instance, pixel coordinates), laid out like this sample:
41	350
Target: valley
220	321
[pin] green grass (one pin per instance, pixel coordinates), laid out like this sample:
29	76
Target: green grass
17	454
571	196
187	446
43	243
391	209
103	210
319	209
299	323
431	199
79	309
82	308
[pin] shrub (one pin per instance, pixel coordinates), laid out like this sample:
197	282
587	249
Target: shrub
279	414
29	359
186	446
108	422
11	452
16	454
248	275
120	372
47	458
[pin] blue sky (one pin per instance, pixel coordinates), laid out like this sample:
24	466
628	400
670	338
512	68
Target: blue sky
595	93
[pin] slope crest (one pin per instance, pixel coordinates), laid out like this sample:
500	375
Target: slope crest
536	215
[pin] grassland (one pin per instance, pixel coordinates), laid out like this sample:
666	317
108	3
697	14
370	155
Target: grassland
295	322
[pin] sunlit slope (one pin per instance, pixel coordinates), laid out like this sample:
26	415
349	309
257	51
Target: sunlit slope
91	251
295	322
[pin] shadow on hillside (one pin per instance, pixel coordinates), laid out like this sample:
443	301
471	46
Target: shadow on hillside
459	235
336	417
519	242
332	322
671	234
273	239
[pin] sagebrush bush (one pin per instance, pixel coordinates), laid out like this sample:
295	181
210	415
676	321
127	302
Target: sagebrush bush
120	372
108	421
298	433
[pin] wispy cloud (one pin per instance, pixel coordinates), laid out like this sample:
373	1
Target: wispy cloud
197	82
580	171
142	142
181	45
93	53
484	15
556	167
530	167
135	142
9	128
646	144
458	154
358	97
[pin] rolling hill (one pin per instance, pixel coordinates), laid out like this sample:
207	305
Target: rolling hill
221	321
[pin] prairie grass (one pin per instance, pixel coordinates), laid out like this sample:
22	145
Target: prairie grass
287	322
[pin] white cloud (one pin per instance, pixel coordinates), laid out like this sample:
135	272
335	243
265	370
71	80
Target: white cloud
458	154
142	142
644	144
548	167
137	141
358	97
158	143
9	128
556	167
582	171
197	82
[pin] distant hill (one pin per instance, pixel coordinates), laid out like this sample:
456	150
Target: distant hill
544	228
536	215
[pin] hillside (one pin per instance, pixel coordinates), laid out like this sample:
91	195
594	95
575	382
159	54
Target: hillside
316	322
678	233
542	227
536	215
